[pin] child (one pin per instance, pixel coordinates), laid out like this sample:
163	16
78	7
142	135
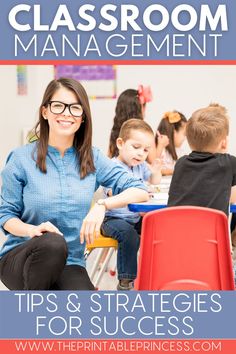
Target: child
169	137
134	142
205	176
131	103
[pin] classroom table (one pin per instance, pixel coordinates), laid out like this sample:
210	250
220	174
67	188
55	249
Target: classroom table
159	199
155	204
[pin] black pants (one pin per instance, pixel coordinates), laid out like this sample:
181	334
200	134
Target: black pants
39	264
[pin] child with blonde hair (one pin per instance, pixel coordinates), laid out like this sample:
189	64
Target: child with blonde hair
206	176
134	143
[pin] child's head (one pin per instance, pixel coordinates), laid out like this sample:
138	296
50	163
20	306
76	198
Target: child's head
173	124
135	140
208	128
131	103
128	104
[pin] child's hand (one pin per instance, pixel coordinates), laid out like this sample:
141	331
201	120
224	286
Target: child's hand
156	166
163	140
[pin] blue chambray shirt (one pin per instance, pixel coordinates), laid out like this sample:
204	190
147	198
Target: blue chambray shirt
59	196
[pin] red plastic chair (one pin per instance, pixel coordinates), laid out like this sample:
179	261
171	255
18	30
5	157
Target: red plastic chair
185	248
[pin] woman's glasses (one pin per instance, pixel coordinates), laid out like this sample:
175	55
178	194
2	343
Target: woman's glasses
57	107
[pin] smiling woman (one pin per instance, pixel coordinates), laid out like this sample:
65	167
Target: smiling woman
64	118
58	127
47	190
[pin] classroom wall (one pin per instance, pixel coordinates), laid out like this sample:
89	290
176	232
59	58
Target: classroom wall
184	88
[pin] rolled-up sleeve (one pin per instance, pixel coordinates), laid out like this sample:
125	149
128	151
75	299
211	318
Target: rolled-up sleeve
13	182
112	175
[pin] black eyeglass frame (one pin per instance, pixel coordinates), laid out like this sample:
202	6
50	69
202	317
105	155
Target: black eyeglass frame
65	106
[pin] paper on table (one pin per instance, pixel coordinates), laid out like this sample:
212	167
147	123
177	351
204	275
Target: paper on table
160	196
163	186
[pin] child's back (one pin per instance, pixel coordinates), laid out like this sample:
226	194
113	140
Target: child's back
205	177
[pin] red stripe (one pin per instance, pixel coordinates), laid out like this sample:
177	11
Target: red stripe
118	62
118	346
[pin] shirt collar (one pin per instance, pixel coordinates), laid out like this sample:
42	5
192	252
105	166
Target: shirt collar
54	150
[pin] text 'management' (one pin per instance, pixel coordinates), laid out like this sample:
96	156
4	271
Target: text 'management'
118	31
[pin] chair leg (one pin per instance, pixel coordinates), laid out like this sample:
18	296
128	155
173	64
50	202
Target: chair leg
113	267
86	254
103	267
96	263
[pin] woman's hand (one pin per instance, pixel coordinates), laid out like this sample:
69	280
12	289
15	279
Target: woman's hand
92	223
41	229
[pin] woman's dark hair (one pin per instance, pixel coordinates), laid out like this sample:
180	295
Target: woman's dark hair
128	106
83	137
167	128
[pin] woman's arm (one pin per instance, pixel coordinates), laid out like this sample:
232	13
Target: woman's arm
125	189
18	228
130	195
93	221
14	179
112	175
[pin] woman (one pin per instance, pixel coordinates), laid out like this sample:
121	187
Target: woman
47	189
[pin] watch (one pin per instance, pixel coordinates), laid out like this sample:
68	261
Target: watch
102	202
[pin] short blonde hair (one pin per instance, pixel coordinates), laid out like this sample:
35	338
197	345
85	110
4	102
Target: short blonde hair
207	127
134	124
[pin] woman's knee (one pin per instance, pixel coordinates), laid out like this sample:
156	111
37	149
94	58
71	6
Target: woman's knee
53	244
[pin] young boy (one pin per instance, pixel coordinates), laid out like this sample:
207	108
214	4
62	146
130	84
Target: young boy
134	143
205	177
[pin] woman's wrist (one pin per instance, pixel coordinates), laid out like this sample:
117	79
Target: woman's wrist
102	202
29	229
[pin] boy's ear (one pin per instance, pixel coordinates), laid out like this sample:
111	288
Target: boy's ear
224	144
119	143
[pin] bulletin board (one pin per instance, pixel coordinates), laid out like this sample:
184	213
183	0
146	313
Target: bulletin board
98	80
21	80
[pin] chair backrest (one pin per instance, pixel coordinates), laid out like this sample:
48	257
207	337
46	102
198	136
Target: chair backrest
185	248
